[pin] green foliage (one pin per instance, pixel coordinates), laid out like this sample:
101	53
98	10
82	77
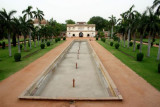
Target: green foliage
140	56
42	46
115	38
117	45
103	39
59	39
138	46
101	34
56	40
152	44
64	38
130	44
3	45
0	44
100	22
153	40
159	68
17	57
21	46
157	43
48	44
70	21
96	38
111	43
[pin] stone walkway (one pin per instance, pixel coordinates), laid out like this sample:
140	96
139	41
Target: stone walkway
135	90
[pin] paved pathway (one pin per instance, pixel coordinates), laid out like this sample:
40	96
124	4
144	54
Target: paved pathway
135	90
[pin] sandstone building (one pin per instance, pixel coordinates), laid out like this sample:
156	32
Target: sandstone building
81	29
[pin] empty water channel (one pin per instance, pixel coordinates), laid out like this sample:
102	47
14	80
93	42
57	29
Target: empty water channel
76	74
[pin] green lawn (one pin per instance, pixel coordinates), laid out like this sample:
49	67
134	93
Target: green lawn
146	69
7	64
146	40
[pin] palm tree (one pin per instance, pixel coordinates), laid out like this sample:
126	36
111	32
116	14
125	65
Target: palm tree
8	22
38	15
34	34
17	31
124	28
112	22
152	23
26	26
156	3
130	15
29	13
135	26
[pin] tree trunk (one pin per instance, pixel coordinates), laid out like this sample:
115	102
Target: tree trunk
34	43
25	43
30	40
134	43
149	45
38	40
141	42
124	39
129	37
14	40
19	49
112	32
158	51
9	45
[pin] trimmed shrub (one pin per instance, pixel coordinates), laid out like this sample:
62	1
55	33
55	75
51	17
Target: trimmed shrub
96	38
117	45
115	38
152	44
21	46
56	40
42	40
103	39
138	46
64	38
59	39
130	44
48	44
140	56
3	45
111	43
42	46
159	68
17	57
153	40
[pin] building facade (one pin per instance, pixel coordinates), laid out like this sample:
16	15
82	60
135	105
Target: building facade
81	29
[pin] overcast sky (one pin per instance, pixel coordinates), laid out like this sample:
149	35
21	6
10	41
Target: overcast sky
77	10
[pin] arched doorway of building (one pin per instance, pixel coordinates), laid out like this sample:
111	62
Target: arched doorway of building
73	34
80	34
88	35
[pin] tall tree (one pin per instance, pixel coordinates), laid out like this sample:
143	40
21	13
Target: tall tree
100	22
113	22
123	27
130	15
7	19
38	15
26	26
135	25
152	23
70	21
29	13
17	31
156	3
